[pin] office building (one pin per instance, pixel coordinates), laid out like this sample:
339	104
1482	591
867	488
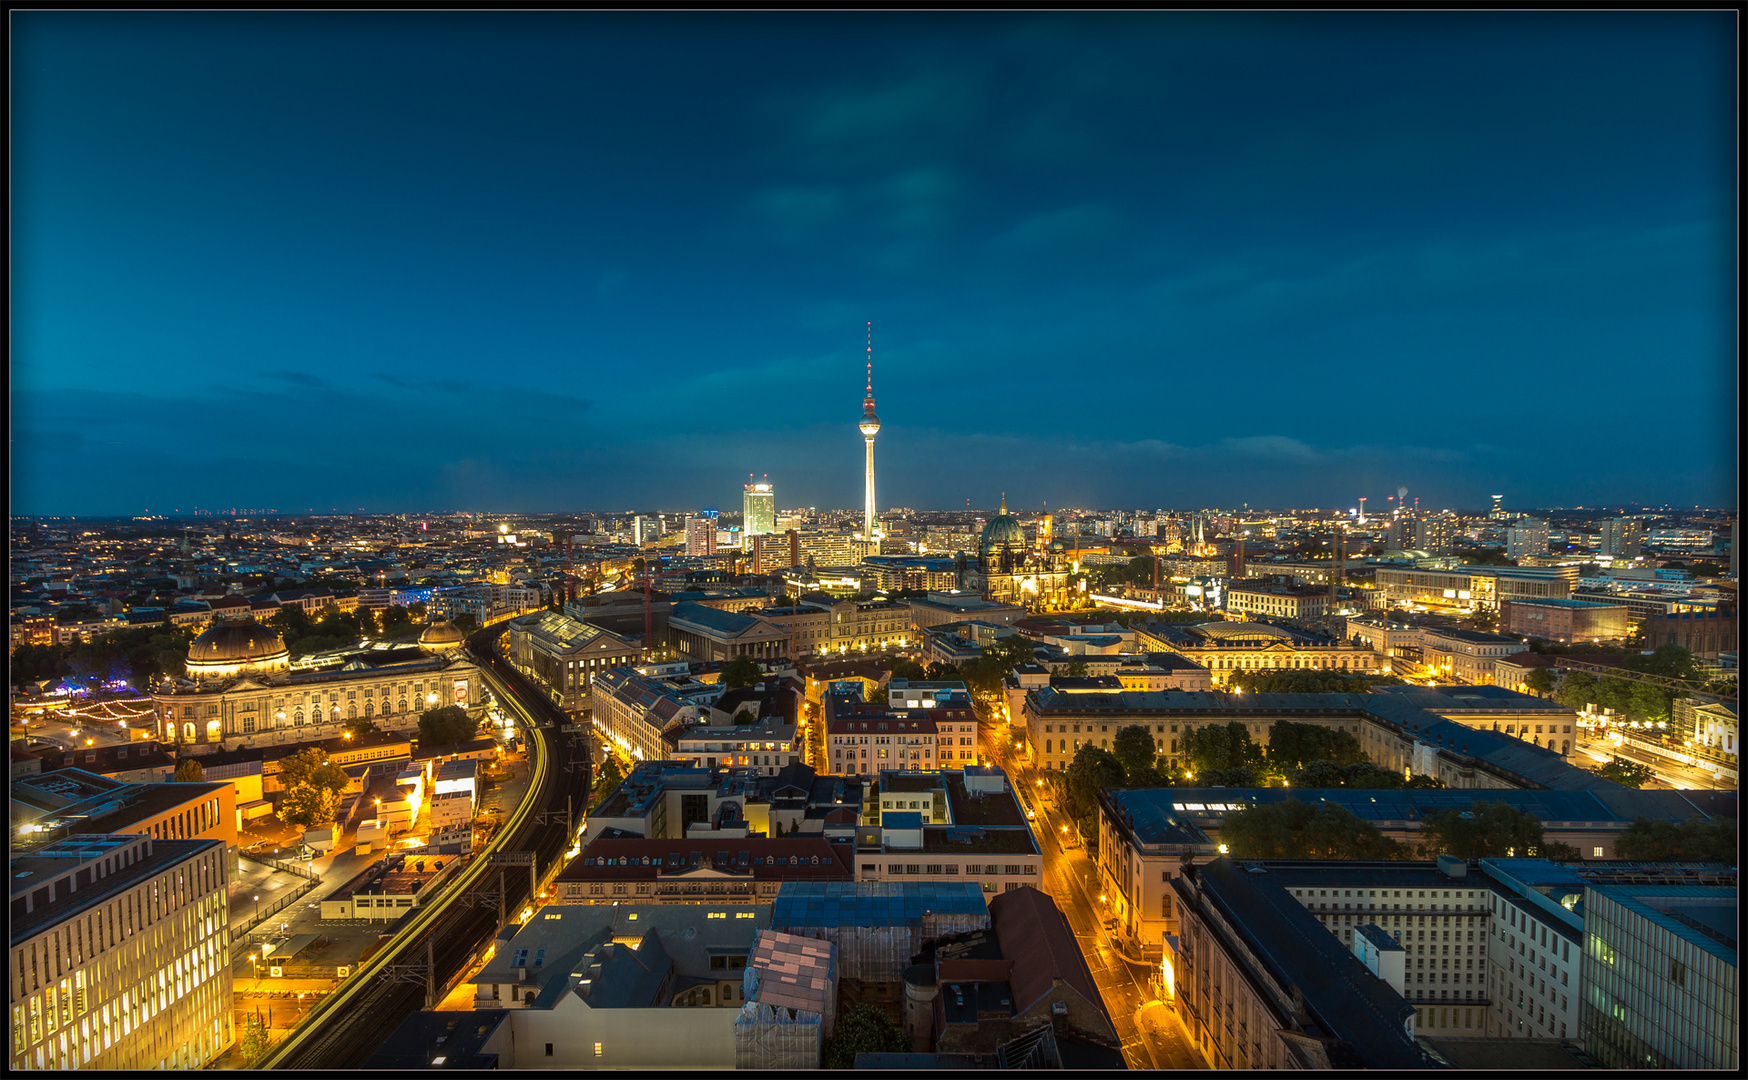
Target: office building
1565	621
758	509
675	800
1660	985
1528	537
645	530
120	953
1145	834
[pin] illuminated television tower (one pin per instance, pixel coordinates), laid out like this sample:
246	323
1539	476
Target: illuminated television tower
870	426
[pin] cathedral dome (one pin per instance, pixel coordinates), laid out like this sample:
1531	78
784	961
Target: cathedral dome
233	647
441	636
1001	531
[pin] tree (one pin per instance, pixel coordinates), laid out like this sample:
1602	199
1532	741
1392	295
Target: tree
1294	746
1134	749
862	1029
1576	690
607	779
308	806
189	771
1291	829
1215	747
466	622
942	672
254	1041
1692	840
312	785
741	671
1093	768
366	621
418	611
1626	772
745	717
450	724
1540	681
1299	681
396	615
1488	830
873	693
1076	668
1647	702
908	669
1558	851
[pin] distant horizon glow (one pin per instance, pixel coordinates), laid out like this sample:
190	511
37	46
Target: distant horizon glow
543	261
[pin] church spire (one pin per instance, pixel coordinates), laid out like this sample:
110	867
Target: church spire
1004	503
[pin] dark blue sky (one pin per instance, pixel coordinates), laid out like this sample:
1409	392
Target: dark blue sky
571	260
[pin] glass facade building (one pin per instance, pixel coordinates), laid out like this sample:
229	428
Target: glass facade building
1660	989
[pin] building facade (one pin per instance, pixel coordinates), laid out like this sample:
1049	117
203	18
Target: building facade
1226	648
563	656
1565	620
120	954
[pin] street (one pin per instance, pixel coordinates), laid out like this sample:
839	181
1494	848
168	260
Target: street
1669	774
1153	1037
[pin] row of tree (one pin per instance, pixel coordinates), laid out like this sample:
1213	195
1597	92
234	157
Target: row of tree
332	628
139	657
1292	829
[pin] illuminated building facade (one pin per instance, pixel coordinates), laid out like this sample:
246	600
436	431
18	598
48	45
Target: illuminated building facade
700	536
759	509
259	702
1225	648
563	655
120	954
1010	570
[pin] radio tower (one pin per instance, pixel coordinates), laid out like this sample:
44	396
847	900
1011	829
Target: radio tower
870	426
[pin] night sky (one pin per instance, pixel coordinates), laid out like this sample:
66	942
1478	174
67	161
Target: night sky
560	261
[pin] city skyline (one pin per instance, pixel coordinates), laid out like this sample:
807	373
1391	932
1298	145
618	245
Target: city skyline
306	260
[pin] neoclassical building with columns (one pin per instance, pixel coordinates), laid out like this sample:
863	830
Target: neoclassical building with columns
241	689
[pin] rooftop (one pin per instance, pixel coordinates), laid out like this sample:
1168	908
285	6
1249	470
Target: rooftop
873	903
1342	998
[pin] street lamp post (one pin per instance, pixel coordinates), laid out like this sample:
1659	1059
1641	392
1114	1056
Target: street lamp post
257	907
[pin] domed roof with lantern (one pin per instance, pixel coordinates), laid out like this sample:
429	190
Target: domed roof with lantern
441	636
235	647
1002	530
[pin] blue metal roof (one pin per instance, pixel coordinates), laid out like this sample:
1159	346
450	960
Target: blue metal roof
806	904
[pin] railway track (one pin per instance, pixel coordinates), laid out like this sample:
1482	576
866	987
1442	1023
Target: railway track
454	930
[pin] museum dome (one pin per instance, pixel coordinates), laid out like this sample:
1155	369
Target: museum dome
233	647
441	636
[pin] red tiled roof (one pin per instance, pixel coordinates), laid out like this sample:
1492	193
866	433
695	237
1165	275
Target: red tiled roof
1037	937
767	858
966	970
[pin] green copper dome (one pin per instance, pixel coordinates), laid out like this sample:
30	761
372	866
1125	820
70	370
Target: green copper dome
1001	531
